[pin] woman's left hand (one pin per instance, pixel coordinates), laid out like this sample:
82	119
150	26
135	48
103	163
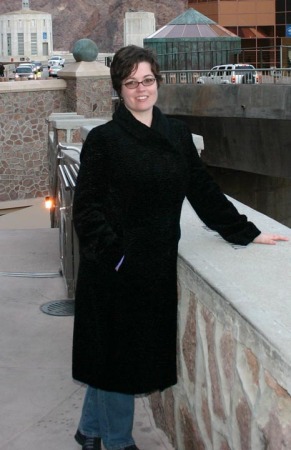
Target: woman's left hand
270	239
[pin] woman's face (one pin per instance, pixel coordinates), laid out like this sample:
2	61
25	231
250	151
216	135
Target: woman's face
142	98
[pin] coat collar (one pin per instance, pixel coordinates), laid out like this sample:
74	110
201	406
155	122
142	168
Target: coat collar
159	130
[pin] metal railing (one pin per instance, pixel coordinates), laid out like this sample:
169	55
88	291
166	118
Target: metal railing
207	54
265	76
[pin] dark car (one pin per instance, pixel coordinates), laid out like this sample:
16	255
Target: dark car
38	65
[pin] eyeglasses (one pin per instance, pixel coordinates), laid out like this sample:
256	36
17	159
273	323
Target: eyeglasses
133	84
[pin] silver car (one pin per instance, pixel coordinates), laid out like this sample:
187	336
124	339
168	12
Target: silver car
24	72
230	74
56	61
54	70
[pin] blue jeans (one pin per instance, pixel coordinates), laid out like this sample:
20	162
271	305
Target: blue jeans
108	415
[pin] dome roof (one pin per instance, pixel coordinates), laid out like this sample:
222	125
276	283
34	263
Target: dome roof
191	17
191	24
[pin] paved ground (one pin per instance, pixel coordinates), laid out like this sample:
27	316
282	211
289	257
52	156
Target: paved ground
40	403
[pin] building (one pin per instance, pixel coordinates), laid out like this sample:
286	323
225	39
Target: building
193	41
264	27
25	34
138	25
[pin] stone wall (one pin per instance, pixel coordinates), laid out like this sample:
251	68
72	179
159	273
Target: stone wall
24	108
89	97
234	366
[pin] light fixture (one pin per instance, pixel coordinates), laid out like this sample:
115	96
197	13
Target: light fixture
48	201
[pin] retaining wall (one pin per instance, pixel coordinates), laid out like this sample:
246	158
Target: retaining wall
246	131
245	127
234	343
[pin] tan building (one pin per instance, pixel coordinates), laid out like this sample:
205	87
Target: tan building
263	25
137	26
25	34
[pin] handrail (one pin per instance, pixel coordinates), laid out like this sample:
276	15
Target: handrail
64	177
68	147
69	176
74	169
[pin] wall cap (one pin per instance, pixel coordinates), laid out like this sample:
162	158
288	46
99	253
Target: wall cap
253	281
85	69
32	85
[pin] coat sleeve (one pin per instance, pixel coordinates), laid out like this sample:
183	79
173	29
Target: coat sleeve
91	207
210	204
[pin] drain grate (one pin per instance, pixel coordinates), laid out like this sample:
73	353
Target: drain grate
59	308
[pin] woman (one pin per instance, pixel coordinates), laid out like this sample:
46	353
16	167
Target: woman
135	172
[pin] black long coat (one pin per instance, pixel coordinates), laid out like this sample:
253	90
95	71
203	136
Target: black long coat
130	189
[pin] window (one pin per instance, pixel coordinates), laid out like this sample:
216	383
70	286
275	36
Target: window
280	18
228	70
9	51
45	49
280	5
20	43
173	78
33	38
183	78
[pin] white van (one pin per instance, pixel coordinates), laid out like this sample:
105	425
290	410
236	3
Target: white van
230	74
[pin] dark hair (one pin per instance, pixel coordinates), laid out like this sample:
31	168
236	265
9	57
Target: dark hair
126	59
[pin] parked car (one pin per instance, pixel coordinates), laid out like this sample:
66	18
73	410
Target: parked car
56	61
24	72
230	74
38	65
28	64
53	71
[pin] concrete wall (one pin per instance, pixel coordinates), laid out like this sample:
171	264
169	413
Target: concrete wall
245	127
234	341
246	131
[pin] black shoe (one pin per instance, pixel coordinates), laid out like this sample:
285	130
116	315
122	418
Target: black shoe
132	447
88	443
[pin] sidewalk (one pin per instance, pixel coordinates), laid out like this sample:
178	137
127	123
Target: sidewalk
40	403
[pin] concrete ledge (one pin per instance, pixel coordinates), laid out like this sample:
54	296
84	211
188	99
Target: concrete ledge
33	85
251	280
85	69
264	101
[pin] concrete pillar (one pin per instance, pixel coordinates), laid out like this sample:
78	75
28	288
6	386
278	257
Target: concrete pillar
89	89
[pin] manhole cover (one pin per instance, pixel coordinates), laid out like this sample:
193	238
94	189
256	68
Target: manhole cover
59	308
